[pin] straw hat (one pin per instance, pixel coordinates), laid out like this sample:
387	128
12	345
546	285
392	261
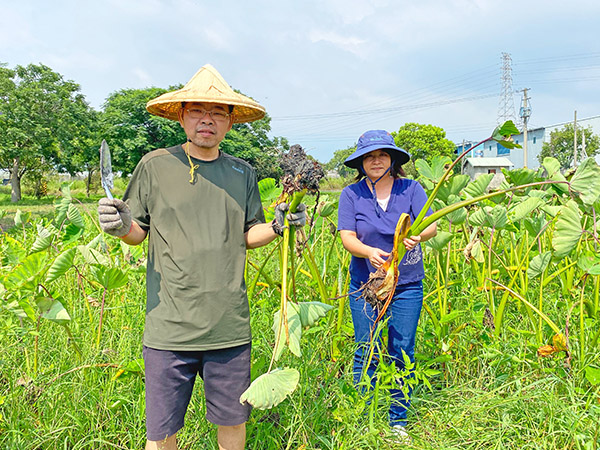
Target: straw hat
207	86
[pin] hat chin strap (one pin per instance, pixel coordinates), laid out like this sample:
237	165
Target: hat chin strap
373	183
193	166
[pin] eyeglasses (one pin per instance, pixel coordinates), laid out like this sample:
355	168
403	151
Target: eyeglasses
216	115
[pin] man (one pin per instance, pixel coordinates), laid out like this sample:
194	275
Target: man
201	210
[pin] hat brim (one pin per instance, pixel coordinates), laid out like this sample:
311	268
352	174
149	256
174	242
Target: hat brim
206	86
399	155
169	106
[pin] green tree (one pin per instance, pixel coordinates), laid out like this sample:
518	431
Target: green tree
84	155
337	162
131	131
560	145
40	114
250	142
423	141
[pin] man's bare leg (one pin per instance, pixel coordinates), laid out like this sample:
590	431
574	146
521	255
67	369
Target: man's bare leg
232	438
169	443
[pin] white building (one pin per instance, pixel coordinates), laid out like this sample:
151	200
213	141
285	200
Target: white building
475	167
535	139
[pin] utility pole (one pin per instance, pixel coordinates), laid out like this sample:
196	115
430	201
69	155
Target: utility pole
525	113
575	140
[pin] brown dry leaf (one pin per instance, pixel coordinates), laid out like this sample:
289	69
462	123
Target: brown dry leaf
546	350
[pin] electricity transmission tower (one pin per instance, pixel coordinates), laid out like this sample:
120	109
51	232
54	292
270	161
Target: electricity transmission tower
506	107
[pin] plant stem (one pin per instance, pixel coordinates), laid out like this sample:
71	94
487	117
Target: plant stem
101	317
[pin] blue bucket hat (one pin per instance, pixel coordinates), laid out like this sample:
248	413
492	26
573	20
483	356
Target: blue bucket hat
376	140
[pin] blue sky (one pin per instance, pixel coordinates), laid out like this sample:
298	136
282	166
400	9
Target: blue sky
328	70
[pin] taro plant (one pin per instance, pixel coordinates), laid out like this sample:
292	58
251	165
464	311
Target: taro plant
34	268
379	289
500	252
301	176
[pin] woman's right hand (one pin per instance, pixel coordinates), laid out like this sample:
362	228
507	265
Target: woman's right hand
377	257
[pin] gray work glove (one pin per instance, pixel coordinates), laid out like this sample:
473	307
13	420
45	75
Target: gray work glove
297	219
114	216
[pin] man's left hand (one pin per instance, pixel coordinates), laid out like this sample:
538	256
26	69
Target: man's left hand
297	219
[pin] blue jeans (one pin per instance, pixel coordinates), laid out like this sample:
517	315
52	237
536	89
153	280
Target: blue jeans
403	315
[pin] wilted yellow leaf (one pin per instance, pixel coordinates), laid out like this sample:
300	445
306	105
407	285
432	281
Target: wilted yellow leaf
559	341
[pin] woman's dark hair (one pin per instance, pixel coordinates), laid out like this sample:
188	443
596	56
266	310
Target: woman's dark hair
396	170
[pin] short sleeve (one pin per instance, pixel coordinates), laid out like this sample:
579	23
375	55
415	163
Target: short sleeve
346	211
254	209
136	196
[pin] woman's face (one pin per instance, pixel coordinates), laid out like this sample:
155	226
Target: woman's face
375	163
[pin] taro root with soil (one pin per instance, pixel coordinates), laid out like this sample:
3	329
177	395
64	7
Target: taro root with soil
301	175
379	289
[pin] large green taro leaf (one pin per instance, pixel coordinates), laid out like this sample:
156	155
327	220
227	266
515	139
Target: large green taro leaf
568	230
294	331
271	389
436	170
487	216
457	216
586	181
92	256
109	278
452	187
43	239
440	241
61	264
27	274
523	209
551	165
479	186
52	310
538	264
74	216
310	312
589	262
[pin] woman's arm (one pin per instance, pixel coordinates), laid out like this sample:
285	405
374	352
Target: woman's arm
412	241
376	256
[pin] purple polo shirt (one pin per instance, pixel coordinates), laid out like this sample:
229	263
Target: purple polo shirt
356	212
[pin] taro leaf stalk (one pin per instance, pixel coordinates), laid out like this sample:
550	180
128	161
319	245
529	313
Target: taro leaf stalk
301	176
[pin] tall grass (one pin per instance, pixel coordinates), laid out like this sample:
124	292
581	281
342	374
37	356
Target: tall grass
484	388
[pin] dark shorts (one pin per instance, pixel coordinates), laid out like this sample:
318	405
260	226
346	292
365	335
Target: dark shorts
170	377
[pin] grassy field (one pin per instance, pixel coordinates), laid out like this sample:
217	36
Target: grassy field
485	389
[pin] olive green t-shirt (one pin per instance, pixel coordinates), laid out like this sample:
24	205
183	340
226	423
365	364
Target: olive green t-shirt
196	294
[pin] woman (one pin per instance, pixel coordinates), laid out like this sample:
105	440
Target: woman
368	212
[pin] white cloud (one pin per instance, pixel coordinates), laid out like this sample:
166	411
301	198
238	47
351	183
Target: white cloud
350	44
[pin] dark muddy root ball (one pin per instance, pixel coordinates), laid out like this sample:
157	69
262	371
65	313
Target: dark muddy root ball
370	289
300	172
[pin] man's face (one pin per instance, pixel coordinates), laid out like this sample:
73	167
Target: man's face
205	124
